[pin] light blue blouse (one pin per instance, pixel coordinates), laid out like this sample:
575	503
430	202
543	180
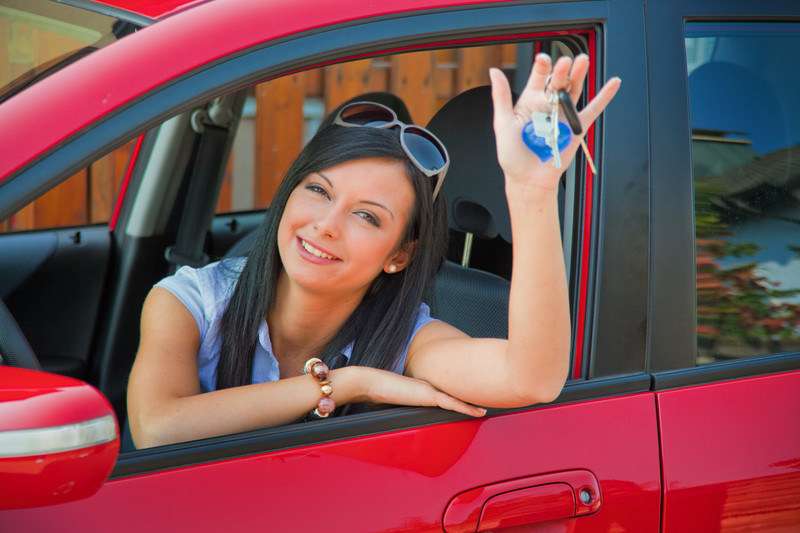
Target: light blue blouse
205	292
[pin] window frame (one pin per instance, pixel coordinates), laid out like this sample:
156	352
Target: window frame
377	37
672	344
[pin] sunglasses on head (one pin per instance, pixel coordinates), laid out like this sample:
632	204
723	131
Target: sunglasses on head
421	146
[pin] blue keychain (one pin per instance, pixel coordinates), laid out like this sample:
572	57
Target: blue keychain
540	145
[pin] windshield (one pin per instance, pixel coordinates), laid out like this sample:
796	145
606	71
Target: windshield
40	37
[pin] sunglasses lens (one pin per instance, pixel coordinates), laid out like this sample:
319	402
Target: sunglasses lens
366	115
425	149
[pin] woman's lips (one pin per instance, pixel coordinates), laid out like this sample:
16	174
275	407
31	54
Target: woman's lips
308	256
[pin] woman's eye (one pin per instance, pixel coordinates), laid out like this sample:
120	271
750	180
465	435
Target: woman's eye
313	187
369	217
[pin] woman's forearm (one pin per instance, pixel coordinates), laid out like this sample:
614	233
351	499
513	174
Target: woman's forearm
539	320
239	409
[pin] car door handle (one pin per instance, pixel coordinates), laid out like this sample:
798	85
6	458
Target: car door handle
530	500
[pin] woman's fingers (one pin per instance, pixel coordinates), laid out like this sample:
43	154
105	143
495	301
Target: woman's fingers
580	67
445	401
593	109
539	72
501	97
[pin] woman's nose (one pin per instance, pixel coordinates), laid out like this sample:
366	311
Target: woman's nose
327	223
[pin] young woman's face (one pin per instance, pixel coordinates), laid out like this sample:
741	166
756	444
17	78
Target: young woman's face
343	225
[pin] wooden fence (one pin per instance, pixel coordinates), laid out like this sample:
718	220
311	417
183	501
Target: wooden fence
424	80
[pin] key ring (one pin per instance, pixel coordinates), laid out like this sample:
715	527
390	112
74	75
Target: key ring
549	78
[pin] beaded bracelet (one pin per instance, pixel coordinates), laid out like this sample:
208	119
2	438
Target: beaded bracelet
319	370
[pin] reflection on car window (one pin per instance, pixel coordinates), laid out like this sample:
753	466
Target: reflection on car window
41	37
746	172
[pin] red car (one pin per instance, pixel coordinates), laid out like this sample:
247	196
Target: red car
682	412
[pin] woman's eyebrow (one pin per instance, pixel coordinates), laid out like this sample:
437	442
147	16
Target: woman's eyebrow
370	202
362	201
326	179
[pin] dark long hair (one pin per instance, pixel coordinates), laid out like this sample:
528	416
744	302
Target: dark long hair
382	323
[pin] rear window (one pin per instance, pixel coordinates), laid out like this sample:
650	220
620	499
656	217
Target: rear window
40	37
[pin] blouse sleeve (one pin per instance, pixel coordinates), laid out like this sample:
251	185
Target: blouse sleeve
423	318
186	286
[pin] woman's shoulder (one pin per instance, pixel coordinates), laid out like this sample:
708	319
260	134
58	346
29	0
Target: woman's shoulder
204	290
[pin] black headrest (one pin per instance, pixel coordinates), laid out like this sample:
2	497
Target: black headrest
474	186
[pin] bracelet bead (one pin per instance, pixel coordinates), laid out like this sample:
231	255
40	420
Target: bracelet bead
325	407
320	371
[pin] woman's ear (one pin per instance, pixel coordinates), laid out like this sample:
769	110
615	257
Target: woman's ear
401	258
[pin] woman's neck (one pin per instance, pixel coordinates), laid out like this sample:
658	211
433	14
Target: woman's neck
302	323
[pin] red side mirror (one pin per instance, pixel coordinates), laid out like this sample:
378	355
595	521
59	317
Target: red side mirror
59	439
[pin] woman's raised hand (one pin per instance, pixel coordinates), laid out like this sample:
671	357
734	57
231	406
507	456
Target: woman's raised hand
519	164
383	386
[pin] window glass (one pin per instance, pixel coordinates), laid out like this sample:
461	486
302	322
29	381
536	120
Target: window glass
746	171
281	115
40	37
87	197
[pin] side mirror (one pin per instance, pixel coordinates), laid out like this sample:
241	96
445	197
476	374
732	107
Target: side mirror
59	439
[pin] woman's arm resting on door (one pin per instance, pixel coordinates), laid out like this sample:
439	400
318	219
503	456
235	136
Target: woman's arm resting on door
533	364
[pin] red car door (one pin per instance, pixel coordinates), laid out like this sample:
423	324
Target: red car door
587	462
726	331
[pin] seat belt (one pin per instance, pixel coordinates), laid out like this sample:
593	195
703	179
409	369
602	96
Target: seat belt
198	207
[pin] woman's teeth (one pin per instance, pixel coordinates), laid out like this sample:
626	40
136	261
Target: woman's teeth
310	249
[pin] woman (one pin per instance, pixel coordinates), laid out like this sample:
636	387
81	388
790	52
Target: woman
356	234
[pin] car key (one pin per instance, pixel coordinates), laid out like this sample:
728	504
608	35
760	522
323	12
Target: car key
571	114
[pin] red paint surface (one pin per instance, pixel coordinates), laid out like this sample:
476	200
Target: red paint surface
55	478
524	498
731	455
151	8
140	62
588	207
30	399
112	224
398	481
37	400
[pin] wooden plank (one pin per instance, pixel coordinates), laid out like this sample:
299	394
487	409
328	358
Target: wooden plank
64	205
380	75
347	80
474	66
508	56
105	179
444	76
315	82
102	184
279	133
224	200
412	80
23	219
5	52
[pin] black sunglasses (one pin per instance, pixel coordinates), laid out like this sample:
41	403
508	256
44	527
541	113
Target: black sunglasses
421	146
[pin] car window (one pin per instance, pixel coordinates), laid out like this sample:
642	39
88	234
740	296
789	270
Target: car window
40	37
746	172
281	115
87	197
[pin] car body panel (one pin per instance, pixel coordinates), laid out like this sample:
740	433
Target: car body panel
150	8
129	68
730	452
396	481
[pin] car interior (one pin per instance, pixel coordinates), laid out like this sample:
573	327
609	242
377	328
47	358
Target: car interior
76	293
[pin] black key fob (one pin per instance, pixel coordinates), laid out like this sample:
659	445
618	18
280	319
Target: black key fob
570	113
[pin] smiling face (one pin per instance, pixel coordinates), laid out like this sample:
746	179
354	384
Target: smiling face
343	225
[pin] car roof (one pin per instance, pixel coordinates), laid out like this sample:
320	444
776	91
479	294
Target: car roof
154	9
126	70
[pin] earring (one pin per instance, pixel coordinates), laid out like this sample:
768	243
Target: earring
392	269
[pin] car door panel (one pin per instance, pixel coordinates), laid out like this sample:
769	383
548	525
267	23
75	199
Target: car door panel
731	452
398	481
52	282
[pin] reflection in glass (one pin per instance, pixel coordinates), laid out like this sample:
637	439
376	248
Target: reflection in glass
746	171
